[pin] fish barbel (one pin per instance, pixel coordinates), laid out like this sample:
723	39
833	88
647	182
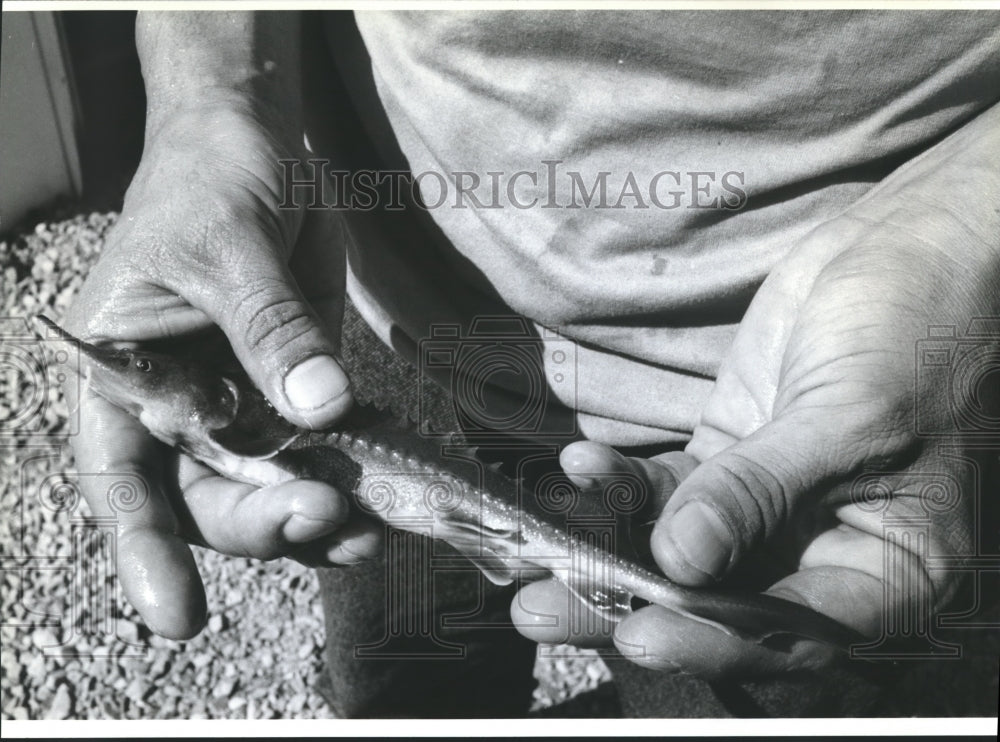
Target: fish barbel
392	473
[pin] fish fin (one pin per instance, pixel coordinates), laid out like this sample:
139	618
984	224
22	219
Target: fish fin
490	549
463	530
609	602
491	565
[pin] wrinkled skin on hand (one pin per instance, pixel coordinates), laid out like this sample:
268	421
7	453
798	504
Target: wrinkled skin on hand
202	243
818	388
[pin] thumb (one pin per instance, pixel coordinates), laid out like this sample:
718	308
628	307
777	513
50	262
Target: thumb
738	498
280	341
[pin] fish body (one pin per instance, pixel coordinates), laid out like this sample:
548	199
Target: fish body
410	483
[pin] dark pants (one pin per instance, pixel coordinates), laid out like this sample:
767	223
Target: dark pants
388	656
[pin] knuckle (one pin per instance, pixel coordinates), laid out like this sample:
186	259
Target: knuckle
271	321
758	499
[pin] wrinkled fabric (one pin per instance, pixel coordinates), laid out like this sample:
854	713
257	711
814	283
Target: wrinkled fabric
804	111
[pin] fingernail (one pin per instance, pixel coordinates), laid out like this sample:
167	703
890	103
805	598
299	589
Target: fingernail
315	382
702	538
299	528
337	552
584	482
667	667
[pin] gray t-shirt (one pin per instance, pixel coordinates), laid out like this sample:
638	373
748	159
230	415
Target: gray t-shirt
719	139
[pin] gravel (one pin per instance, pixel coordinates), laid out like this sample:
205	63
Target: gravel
72	648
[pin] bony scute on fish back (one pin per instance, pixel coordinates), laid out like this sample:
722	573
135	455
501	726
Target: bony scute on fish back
226	423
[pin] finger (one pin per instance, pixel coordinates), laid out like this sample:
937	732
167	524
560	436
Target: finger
660	639
156	569
546	612
739	498
591	465
356	541
843	574
259	522
663	640
306	520
850	593
281	342
840	576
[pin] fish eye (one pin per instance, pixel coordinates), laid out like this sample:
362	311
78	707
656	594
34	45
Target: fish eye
144	364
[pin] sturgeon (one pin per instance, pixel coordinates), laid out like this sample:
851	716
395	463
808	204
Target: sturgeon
392	473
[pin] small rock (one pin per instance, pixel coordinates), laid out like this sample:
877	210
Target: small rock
127	631
237	703
158	642
52	679
108	708
224	688
307	650
160	666
43	638
169	707
36	669
10	662
216	623
20	714
62	704
201	660
271	632
137	690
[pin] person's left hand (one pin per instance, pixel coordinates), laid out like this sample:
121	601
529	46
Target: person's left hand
816	430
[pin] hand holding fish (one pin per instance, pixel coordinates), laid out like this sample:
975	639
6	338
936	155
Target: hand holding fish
823	429
201	242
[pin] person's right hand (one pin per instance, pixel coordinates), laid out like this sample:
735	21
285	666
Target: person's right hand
201	241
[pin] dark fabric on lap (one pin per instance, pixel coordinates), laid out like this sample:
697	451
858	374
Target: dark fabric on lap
377	670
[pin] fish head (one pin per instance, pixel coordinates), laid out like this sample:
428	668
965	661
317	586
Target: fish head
176	400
